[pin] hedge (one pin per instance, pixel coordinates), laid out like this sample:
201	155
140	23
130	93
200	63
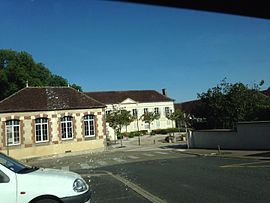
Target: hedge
165	131
134	133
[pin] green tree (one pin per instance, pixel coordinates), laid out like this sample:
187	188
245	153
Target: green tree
77	87
117	118
214	104
127	118
19	68
177	116
149	117
227	103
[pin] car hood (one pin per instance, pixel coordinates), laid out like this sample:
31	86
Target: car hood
54	173
48	181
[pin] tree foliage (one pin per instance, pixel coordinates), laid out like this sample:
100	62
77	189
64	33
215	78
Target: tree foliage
18	68
149	117
177	116
117	118
227	103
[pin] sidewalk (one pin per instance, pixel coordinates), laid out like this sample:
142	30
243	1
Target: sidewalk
246	154
157	142
146	141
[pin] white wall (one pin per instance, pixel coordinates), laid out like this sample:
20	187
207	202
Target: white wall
162	123
249	135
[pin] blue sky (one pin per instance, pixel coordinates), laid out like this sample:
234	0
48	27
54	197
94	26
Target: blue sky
106	45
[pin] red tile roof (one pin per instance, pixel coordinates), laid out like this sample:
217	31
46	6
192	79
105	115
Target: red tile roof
189	106
46	99
142	96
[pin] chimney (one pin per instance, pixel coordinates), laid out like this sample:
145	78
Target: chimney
164	92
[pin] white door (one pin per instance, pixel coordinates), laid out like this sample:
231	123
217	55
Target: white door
7	186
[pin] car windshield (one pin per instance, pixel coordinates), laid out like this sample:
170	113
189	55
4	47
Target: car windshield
148	101
14	165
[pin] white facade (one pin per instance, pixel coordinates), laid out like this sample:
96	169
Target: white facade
131	105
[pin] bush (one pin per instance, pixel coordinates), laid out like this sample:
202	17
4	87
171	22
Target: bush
143	132
135	133
172	130
125	134
132	134
120	136
152	132
164	131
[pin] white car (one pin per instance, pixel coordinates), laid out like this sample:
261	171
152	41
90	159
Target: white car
23	184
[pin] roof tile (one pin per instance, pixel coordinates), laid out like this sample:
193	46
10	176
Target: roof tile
115	97
46	99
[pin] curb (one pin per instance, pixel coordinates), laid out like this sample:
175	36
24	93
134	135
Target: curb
224	156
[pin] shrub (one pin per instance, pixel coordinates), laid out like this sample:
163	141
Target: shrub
125	134
143	132
152	132
120	136
172	130
164	131
135	133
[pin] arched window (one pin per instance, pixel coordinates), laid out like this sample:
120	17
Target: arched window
13	132
66	127
41	125
89	126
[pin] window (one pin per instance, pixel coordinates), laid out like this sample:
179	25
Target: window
42	130
4	178
158	124
156	110
134	112
145	110
89	126
167	110
66	127
13	132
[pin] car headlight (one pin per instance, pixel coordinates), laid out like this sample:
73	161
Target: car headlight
79	185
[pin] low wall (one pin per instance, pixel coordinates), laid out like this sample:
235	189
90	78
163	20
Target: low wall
247	136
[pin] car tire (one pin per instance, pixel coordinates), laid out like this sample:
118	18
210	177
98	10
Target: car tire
46	200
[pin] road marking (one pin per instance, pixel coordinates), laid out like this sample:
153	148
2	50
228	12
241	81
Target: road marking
133	157
249	164
146	154
138	189
102	163
118	160
181	150
65	168
161	152
85	166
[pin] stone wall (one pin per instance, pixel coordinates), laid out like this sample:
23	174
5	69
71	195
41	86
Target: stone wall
247	136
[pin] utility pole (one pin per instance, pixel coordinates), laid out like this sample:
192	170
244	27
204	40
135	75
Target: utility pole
139	138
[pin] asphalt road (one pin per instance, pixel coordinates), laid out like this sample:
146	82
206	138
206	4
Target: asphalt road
200	179
105	189
169	176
